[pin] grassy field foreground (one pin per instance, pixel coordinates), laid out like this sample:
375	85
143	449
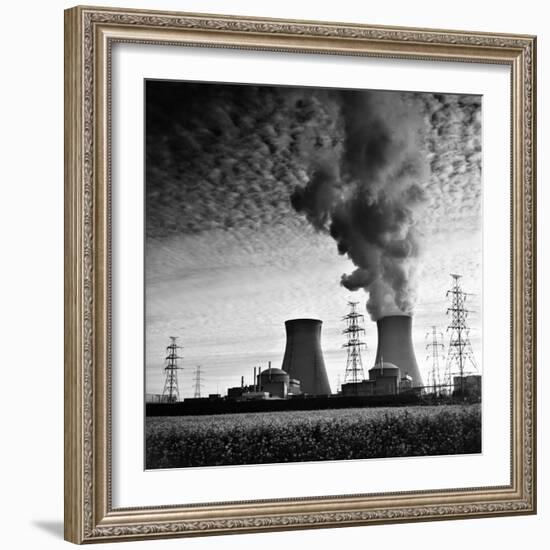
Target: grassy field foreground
298	436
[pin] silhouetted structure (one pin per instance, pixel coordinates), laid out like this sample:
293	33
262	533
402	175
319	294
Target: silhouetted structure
460	353
198	383
395	346
435	348
303	359
170	393
354	364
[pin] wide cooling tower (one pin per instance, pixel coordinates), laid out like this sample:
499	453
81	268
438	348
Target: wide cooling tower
395	345
303	358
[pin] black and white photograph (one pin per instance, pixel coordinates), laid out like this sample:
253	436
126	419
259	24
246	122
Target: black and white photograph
313	274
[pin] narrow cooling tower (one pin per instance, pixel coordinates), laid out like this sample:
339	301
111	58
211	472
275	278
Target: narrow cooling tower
395	345
303	358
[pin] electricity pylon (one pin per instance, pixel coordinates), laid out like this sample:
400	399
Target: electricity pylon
198	384
353	331
460	354
435	351
170	393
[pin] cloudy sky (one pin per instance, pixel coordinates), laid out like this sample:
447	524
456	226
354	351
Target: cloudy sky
269	203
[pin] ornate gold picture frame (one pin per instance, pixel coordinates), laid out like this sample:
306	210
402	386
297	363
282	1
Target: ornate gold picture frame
90	35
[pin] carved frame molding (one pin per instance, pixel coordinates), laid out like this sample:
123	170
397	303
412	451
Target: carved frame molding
89	35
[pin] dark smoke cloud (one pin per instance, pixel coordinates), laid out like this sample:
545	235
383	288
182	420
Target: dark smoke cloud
370	199
377	171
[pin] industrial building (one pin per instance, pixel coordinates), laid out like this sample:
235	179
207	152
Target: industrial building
278	383
303	371
303	359
303	374
468	385
384	379
270	383
395	370
395	346
156	398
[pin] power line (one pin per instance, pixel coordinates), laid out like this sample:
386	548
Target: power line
171	392
460	353
198	383
435	349
354	364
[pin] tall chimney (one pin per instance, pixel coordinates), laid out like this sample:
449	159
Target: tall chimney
303	358
395	345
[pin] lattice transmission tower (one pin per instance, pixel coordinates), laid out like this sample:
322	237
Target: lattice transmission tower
460	355
170	393
435	352
198	382
354	330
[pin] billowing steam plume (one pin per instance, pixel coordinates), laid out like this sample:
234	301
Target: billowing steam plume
370	195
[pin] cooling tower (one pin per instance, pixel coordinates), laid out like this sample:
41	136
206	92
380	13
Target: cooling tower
395	345
303	358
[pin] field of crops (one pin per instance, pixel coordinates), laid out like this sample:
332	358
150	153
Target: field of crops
298	436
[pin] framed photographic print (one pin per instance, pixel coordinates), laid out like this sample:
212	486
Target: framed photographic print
300	274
